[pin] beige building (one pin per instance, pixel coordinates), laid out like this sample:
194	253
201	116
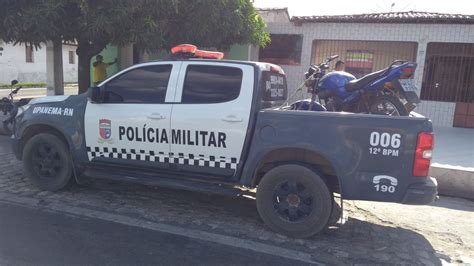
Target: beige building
441	44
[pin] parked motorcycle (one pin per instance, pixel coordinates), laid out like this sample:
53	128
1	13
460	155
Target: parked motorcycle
390	91
9	108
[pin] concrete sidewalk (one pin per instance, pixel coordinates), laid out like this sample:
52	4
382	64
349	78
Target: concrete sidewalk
453	161
454	148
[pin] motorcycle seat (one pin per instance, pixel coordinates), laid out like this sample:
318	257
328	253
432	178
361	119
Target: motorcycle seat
358	84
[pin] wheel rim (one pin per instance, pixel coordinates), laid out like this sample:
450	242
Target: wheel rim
47	161
386	108
292	201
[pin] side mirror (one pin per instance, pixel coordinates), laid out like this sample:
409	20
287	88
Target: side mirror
14	82
94	94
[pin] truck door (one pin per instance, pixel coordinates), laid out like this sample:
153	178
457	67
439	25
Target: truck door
131	125
211	115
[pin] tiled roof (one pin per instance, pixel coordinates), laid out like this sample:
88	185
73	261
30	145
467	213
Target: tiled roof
272	9
392	17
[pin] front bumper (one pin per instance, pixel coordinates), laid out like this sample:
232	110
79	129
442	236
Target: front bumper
421	193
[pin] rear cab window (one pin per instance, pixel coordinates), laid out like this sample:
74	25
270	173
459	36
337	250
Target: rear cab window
273	88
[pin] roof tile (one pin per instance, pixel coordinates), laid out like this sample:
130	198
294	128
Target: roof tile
391	17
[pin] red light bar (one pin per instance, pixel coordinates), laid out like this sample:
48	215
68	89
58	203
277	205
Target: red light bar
184	48
191	51
209	54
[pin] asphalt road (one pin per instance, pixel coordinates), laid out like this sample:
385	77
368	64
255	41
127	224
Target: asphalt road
34	236
4	142
40	237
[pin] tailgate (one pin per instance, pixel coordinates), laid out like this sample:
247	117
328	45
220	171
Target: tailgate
383	157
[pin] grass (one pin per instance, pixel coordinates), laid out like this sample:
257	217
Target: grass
25	85
33	85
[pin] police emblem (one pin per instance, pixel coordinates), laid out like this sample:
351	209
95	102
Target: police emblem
105	131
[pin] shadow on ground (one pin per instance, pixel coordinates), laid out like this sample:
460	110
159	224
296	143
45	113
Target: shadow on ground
359	240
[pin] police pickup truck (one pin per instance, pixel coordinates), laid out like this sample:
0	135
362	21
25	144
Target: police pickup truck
215	126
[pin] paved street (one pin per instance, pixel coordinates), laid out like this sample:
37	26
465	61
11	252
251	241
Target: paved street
117	223
35	236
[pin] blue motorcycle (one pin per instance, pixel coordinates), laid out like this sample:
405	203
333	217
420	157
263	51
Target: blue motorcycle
390	91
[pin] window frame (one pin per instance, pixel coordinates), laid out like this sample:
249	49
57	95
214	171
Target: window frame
281	61
71	57
172	77
453	86
184	72
29	54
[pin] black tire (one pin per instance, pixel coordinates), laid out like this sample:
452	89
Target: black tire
388	105
47	162
308	212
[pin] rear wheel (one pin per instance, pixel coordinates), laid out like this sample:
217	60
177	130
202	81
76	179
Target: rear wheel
47	162
294	200
387	105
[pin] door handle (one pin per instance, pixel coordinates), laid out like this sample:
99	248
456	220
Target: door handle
156	116
232	118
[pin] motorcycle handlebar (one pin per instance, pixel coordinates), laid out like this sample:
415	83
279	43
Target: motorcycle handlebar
15	91
332	57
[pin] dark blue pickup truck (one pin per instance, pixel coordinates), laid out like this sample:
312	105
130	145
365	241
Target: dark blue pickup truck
216	126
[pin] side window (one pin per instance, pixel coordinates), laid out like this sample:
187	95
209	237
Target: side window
211	84
140	85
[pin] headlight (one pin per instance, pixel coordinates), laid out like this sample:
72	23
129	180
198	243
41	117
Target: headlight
22	109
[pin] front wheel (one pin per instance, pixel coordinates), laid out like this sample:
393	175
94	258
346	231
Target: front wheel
294	200
47	162
387	105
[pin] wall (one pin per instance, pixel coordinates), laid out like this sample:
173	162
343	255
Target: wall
13	64
69	70
238	52
419	33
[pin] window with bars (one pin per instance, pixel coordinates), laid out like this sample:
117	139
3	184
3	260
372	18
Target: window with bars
449	73
363	57
29	58
72	57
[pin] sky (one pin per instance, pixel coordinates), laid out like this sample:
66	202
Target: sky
346	7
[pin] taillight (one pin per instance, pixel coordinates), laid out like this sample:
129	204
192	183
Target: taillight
423	154
408	71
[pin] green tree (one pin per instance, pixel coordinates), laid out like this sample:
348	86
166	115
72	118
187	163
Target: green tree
152	25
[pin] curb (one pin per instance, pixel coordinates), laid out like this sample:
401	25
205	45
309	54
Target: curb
454	182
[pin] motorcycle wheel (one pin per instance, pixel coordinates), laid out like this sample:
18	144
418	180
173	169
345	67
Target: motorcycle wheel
387	105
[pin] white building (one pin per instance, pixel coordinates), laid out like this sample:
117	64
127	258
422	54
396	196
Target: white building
26	64
441	44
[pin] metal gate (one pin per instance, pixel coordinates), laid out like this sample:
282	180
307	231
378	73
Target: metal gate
363	57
